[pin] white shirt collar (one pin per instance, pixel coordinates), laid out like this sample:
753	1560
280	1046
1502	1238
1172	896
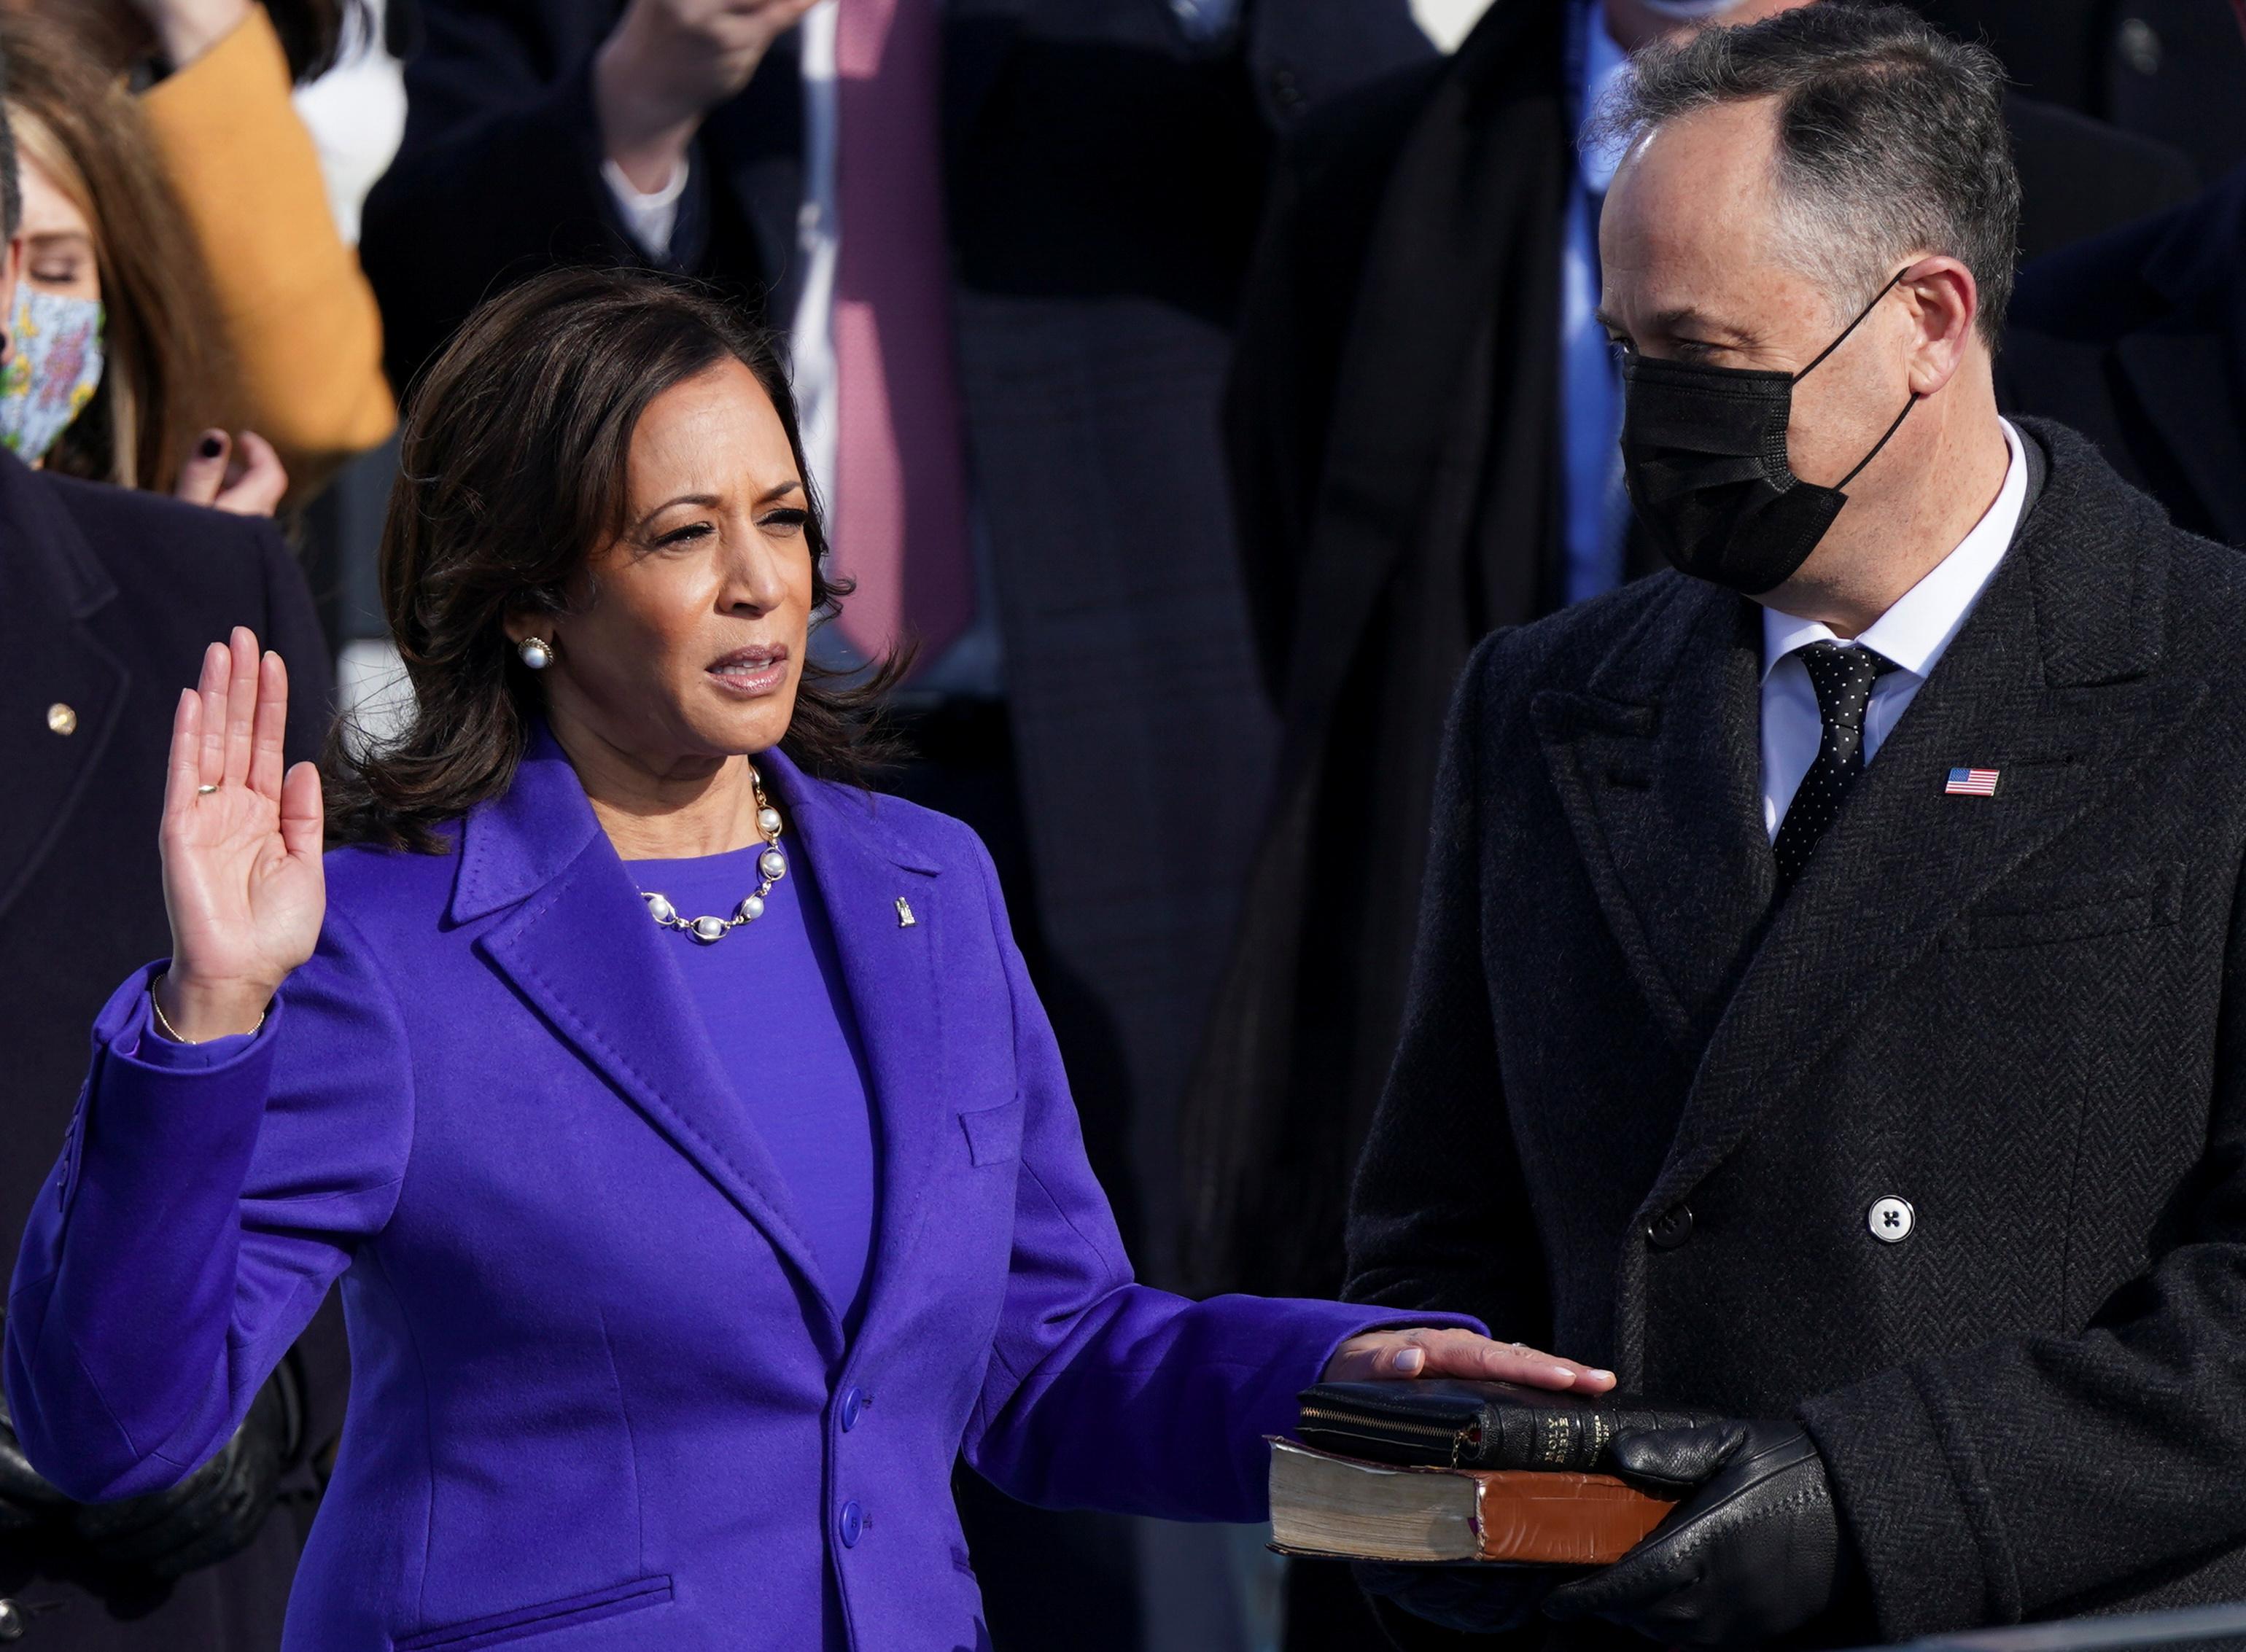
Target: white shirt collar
1916	630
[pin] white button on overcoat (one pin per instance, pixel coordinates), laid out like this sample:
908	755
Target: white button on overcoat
1891	1220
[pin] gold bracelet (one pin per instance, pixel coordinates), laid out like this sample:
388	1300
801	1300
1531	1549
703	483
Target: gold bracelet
165	1026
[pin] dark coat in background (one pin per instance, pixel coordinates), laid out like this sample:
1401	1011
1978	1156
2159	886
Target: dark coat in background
2169	70
111	597
2081	177
1395	456
1641	1108
1392	425
2138	339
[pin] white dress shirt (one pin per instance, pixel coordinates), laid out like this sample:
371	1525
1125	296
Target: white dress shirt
1913	633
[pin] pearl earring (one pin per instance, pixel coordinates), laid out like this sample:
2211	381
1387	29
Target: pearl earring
537	653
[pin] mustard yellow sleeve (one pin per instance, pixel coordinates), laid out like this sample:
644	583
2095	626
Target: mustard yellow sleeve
299	318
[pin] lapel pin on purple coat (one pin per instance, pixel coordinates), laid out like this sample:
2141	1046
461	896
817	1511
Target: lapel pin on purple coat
905	918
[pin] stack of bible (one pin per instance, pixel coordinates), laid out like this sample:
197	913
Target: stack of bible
1447	1472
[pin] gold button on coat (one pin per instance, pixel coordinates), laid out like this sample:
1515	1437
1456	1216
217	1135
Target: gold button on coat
61	719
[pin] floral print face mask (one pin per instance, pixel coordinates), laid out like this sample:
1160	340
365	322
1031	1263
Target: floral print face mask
52	372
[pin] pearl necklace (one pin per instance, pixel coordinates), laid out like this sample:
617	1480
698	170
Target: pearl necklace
772	866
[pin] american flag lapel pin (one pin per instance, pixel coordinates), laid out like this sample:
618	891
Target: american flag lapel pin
1970	783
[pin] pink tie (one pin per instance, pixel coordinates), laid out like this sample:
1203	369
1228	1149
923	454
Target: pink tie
900	485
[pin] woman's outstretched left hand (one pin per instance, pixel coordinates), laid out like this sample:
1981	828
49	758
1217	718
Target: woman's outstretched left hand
1400	1355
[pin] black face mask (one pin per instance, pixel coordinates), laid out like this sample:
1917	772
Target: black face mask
1704	455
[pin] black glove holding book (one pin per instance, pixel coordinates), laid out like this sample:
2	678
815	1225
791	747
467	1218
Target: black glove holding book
1747	1545
1753	1552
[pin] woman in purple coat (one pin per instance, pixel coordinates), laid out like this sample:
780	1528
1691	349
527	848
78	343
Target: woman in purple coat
693	1153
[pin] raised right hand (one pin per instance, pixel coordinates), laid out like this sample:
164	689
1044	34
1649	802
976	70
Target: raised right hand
667	65
241	842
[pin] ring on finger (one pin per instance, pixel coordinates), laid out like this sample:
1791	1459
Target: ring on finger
205	791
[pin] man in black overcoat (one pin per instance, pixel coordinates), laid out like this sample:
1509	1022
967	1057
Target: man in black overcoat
2138	340
1401	444
1830	1002
107	600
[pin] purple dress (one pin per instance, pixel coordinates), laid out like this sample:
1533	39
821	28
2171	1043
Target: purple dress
773	1003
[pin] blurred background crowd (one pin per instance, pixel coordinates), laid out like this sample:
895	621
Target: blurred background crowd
1193	380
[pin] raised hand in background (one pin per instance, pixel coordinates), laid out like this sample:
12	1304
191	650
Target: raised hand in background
667	65
244	476
241	842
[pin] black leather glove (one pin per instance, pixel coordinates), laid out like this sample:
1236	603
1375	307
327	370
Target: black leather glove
26	1499
213	1514
1478	1600
1753	1553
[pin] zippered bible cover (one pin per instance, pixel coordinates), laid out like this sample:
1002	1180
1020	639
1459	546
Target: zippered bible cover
1449	1423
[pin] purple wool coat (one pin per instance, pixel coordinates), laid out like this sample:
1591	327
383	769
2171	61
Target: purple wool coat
599	1392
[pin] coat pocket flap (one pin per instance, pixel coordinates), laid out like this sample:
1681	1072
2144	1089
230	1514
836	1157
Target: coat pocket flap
502	1628
994	1134
2148	899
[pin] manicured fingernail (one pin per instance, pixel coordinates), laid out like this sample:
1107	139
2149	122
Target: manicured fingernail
1565	1373
1610	1376
210	446
1410	1360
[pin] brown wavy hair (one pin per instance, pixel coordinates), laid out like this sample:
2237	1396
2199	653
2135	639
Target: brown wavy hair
511	473
166	377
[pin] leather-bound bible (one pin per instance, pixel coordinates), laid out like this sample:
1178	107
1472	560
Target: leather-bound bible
1449	1471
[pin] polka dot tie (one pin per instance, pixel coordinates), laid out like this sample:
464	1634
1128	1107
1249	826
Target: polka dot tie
1842	676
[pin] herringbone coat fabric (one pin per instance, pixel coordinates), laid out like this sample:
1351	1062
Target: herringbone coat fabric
1643	1106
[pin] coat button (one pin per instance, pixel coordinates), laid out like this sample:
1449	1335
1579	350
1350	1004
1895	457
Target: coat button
854	1407
1891	1220
853	1525
61	719
1671	1229
11	1621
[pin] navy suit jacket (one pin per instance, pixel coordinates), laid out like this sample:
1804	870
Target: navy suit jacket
598	1384
110	596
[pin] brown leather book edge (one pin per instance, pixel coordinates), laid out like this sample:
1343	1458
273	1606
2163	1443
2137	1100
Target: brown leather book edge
1557	1517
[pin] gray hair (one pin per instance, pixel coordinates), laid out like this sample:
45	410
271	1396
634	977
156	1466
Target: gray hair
1891	141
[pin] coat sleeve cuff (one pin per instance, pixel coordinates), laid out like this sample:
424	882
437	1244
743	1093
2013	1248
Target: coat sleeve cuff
1924	1543
171	1110
140	1044
1390	1320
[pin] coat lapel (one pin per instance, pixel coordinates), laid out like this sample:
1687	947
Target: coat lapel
55	589
580	948
890	967
2051	683
1657	765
